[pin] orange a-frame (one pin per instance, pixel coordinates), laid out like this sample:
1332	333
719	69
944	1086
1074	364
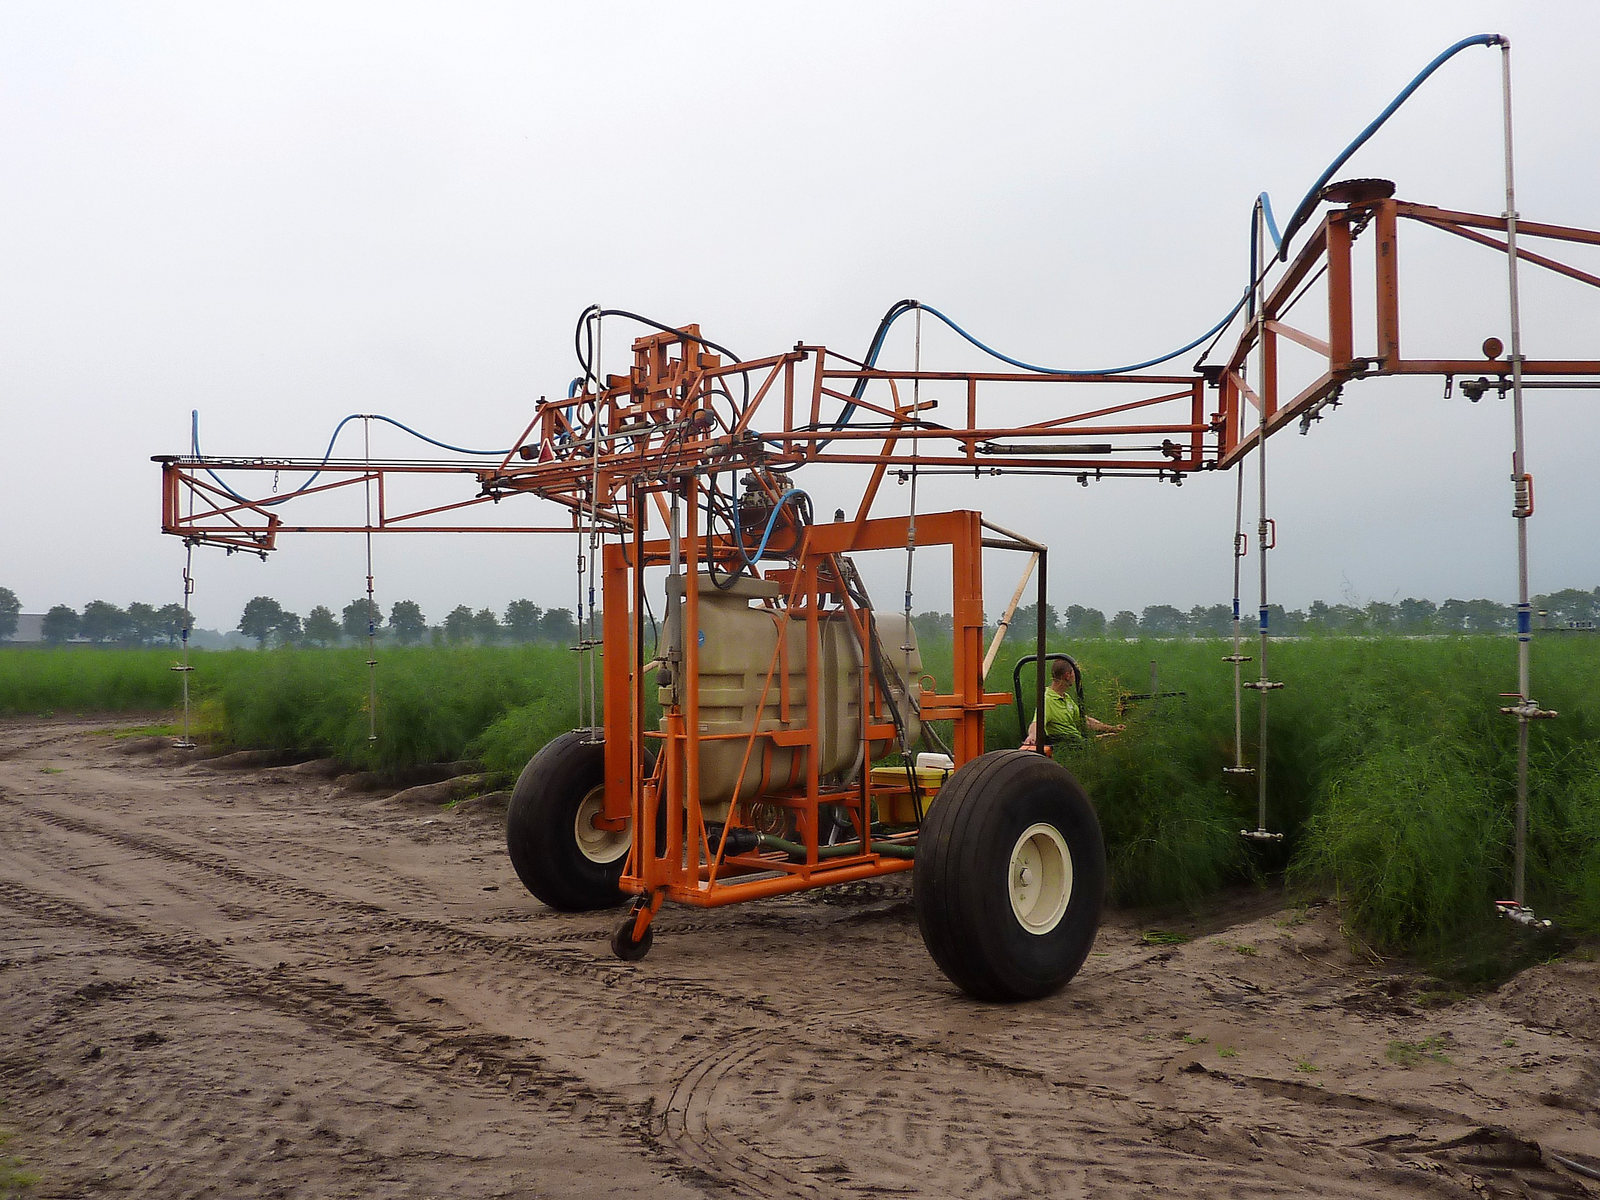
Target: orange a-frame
625	453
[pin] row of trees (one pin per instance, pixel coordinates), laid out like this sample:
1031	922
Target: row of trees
523	621
1572	606
105	624
269	622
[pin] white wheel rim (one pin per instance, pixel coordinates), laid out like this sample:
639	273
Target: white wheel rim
1040	878
601	846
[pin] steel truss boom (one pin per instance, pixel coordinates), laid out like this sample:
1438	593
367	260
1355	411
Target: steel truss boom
682	409
1329	252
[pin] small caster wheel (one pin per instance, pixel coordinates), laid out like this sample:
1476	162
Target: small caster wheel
623	945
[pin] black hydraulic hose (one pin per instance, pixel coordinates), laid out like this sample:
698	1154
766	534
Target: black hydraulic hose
713	493
585	330
874	348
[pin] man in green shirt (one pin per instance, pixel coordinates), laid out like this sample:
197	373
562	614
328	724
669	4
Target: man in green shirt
1063	721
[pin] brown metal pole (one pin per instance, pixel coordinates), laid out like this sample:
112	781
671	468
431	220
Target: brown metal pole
1038	662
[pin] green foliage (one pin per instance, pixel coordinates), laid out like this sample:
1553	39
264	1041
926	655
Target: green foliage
353	618
1412	837
264	618
1570	605
80	679
15	1179
507	744
103	621
1409	770
1391	771
1411	1054
61	624
322	627
10	607
407	622
459	625
434	705
1170	823
1162	937
522	620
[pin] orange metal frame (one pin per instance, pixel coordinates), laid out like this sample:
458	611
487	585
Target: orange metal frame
612	458
674	412
706	874
1329	252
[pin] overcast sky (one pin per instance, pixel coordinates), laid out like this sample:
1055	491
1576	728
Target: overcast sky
281	214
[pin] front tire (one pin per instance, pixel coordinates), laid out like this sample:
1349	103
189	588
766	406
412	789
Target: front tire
558	853
1010	877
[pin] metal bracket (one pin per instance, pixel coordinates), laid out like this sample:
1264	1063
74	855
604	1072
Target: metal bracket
1260	835
1261	685
1530	711
1520	913
1237	658
1238	770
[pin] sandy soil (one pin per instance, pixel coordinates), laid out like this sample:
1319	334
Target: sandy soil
226	983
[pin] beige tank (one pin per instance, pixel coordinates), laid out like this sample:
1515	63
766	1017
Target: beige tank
738	637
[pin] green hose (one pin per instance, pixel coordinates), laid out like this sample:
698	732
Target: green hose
797	852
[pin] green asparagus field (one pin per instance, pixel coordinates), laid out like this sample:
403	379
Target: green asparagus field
1390	768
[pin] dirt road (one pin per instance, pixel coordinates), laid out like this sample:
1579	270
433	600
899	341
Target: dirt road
223	983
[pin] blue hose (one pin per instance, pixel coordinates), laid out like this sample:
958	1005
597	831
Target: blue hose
772	523
1308	205
1262	210
1264	207
194	436
1138	366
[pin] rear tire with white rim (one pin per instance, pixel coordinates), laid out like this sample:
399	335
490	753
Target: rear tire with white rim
1010	877
559	853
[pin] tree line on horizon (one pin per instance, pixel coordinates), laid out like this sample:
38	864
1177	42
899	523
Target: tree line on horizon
100	621
1568	608
523	621
269	623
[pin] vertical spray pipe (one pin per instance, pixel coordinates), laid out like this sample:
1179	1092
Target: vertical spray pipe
675	596
1523	501
372	614
1040	634
1262	531
911	524
594	525
185	742
1240	542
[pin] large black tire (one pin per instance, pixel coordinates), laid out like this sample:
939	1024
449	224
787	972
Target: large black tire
542	830
1010	877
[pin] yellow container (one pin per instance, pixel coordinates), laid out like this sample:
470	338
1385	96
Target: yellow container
893	795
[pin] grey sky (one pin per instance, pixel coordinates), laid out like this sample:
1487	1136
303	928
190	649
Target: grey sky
283	214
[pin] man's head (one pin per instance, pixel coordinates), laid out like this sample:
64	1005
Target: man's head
1061	674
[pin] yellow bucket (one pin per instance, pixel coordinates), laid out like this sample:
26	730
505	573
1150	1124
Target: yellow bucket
896	807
